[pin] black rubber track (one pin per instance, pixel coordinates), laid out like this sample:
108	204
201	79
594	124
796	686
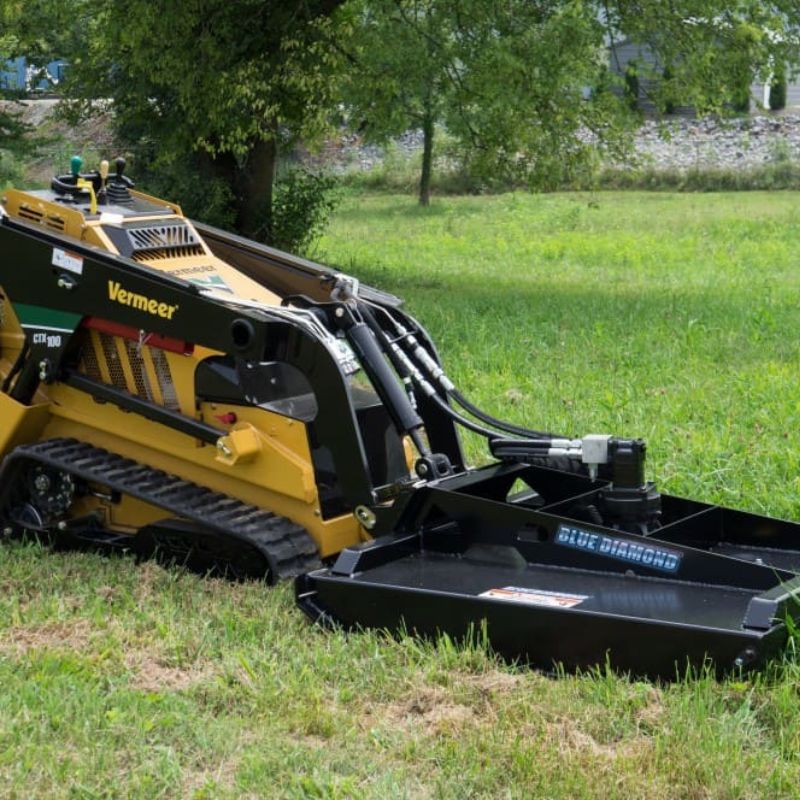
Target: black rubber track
287	548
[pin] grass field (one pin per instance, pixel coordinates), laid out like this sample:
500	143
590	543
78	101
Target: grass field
671	317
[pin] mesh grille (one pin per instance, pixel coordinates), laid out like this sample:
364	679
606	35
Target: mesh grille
115	371
161	236
165	382
89	364
138	369
142	387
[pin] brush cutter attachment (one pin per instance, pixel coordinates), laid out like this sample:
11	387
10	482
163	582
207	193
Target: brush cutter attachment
561	553
547	583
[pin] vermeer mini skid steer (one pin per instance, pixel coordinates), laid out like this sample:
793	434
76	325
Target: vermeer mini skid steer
171	389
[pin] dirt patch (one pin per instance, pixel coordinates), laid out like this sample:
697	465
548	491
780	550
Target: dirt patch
574	741
151	675
495	682
205	782
430	711
651	715
50	636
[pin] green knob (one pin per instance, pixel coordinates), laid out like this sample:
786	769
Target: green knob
75	164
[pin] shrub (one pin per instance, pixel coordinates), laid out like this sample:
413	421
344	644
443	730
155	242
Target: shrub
777	89
302	204
668	87
766	177
10	169
740	99
632	87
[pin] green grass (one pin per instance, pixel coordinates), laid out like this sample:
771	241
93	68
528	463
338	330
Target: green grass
670	317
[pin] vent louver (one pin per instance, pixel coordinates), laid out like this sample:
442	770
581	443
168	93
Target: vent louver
163	241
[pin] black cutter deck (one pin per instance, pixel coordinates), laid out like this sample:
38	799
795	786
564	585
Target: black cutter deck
544	587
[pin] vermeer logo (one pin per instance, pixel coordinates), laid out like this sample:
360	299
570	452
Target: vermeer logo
622	549
139	301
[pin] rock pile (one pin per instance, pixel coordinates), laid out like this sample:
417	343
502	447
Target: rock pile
681	143
741	142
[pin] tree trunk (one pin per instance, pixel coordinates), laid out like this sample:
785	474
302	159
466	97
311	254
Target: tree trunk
427	161
255	181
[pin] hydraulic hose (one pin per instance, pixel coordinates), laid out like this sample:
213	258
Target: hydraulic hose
436	374
18	364
394	399
408	370
508	427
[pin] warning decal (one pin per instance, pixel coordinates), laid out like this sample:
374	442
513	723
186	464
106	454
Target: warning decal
67	260
535	597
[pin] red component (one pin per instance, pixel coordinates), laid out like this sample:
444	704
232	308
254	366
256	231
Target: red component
227	419
150	339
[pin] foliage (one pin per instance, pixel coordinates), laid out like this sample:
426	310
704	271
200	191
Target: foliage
238	83
643	314
713	48
741	100
183	178
632	85
505	80
779	175
40	30
301	209
777	89
671	92
396	173
13	131
10	169
508	79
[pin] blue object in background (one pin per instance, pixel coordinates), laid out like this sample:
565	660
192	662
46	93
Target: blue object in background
13	75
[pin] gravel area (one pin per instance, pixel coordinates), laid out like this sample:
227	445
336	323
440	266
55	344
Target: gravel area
681	143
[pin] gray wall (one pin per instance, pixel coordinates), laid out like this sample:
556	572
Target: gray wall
626	51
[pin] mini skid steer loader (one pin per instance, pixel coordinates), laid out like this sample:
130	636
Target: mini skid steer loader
172	389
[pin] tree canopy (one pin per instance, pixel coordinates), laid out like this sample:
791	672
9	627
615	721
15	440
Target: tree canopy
218	90
525	86
40	30
228	82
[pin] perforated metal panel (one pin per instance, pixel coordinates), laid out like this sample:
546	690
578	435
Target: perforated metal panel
139	370
136	368
113	364
165	381
89	364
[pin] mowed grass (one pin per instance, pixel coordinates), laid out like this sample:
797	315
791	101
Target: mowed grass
671	317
